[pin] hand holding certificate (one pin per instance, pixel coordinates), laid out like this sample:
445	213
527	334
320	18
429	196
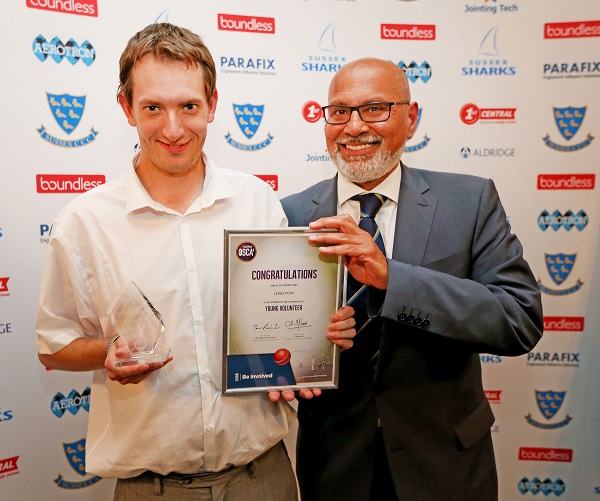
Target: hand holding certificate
279	295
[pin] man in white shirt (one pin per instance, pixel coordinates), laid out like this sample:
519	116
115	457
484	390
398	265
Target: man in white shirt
164	428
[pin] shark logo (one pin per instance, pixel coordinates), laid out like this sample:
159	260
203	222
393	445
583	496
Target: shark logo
568	120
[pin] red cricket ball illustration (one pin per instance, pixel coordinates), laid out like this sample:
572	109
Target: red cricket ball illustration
282	356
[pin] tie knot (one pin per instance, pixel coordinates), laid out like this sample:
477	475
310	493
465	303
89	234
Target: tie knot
370	203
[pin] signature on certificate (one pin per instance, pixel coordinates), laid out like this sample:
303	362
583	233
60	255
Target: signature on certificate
266	327
297	324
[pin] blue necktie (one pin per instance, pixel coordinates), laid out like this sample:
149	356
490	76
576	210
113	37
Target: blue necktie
368	330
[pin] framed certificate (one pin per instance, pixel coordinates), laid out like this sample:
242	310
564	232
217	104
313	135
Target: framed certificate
279	295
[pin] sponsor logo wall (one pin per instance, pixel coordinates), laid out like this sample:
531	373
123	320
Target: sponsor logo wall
506	91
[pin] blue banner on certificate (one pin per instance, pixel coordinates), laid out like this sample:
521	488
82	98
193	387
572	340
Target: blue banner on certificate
279	295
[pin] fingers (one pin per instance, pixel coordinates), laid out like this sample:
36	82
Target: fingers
290	395
309	393
343	223
341	329
131	373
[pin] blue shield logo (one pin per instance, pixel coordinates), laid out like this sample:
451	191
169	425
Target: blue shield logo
248	117
75	452
549	402
559	266
67	110
568	120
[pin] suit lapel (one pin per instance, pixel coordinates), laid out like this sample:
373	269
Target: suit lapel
414	219
324	201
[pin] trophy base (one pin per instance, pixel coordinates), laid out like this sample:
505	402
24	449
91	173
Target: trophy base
147	357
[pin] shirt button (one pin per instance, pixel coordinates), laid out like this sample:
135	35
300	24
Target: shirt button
204	374
208	429
198	320
192	267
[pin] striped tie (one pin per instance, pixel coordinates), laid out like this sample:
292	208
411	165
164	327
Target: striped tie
368	330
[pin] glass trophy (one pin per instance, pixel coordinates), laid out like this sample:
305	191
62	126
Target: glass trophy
140	325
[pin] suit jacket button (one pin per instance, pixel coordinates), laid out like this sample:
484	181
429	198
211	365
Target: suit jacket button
402	316
426	323
410	319
418	321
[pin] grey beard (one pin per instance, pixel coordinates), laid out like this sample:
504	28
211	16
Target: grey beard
362	171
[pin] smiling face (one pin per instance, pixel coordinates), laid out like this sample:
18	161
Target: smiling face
366	153
170	110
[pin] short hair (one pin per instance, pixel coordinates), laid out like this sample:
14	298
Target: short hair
170	42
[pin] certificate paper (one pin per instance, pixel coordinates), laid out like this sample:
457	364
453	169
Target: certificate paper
279	295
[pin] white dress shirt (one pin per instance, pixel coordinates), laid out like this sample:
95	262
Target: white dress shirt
386	216
176	420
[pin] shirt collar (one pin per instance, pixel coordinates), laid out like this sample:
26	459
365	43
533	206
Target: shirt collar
389	187
216	187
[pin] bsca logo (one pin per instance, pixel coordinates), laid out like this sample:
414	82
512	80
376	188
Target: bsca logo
246	251
81	7
253	24
566	181
575	29
271	179
408	31
312	112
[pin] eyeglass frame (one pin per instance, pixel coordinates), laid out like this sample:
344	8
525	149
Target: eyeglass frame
357	109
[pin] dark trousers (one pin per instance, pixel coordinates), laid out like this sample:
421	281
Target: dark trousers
382	485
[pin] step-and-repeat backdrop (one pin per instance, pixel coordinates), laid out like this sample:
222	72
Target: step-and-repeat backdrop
508	90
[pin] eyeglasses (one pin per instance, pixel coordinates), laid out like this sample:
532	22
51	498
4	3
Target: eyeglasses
369	113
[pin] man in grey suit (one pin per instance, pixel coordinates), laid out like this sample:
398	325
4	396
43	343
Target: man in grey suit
410	420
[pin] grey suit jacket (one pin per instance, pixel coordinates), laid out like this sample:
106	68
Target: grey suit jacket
458	286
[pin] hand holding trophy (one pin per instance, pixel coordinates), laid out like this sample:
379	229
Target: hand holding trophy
140	325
